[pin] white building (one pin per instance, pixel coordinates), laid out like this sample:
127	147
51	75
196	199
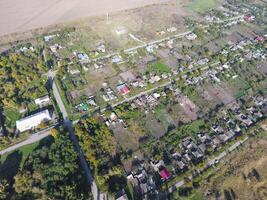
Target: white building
42	100
33	121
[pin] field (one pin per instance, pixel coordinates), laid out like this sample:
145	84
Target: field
202	5
244	174
43	13
155	127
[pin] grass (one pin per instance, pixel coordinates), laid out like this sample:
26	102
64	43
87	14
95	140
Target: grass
12	115
160	67
202	5
24	151
11	162
197	196
163	116
240	86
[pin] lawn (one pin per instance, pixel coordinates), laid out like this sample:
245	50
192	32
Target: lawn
202	5
11	162
160	67
24	151
239	86
164	117
12	116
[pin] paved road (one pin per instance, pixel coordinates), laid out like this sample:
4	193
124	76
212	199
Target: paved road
68	124
32	139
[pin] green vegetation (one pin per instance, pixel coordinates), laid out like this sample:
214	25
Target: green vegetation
11	115
25	151
163	116
202	5
160	67
99	147
46	170
20	78
240	86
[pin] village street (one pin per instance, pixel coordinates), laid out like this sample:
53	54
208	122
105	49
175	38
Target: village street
211	163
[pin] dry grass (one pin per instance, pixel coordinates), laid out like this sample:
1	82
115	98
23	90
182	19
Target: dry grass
235	174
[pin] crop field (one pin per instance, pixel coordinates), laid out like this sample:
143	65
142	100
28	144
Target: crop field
202	5
42	13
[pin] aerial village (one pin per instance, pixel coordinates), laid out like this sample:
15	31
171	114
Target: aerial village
175	105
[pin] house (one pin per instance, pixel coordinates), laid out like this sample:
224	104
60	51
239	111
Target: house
47	38
116	59
121	195
33	121
249	18
123	89
83	57
42	100
259	38
191	36
73	70
165	174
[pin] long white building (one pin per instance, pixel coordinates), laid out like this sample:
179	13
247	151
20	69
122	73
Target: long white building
33	121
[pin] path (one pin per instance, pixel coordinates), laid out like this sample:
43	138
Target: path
68	124
212	162
32	139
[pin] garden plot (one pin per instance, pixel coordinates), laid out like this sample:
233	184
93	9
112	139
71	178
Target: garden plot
219	93
238	86
163	116
189	107
125	138
178	114
96	78
154	125
168	59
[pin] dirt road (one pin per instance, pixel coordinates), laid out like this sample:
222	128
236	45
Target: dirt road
22	15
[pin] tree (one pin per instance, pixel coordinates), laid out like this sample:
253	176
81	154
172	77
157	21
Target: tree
3	189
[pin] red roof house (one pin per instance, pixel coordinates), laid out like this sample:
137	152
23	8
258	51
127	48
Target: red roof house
249	18
123	89
165	174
